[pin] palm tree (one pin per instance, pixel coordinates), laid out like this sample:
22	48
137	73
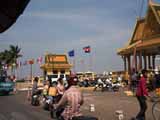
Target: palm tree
5	57
14	54
10	57
1	59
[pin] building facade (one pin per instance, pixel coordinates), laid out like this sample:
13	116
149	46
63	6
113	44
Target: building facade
144	45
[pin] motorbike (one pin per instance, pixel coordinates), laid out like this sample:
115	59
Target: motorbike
47	101
35	101
109	86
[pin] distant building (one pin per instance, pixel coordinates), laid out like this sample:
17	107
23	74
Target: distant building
86	75
56	66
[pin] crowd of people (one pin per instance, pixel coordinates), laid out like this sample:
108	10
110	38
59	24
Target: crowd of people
152	80
66	101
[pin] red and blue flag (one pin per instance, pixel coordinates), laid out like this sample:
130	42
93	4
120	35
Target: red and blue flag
87	49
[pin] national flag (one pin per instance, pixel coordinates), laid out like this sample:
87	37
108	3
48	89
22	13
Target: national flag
31	61
39	60
71	53
87	49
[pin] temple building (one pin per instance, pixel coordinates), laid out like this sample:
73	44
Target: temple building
56	66
144	44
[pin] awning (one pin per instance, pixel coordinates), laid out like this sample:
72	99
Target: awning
140	45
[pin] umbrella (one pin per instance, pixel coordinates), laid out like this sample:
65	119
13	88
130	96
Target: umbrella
10	10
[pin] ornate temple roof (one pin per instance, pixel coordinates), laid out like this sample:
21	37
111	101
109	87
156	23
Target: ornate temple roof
146	33
56	61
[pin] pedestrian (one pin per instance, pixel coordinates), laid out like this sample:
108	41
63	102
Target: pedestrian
141	94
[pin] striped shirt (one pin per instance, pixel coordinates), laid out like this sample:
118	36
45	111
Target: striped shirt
73	99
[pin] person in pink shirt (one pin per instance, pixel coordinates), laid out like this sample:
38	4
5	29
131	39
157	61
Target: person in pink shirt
141	94
72	99
60	88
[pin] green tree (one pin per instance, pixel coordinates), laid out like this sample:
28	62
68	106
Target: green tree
10	56
5	57
14	53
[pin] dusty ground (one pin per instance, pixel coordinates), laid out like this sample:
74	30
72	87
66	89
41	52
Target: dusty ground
106	103
16	107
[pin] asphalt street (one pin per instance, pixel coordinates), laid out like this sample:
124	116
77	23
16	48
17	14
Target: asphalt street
16	107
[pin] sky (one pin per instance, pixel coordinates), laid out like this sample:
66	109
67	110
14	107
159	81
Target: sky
58	26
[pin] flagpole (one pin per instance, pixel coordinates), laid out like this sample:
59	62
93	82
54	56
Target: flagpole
90	62
31	62
31	72
74	65
83	62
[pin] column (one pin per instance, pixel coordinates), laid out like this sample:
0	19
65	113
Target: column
125	63
145	61
136	62
149	61
140	61
129	63
153	61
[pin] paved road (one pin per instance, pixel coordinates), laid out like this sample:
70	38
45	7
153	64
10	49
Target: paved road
15	107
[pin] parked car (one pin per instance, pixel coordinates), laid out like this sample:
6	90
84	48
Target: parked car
6	86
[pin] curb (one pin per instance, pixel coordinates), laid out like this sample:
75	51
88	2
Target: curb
86	88
26	89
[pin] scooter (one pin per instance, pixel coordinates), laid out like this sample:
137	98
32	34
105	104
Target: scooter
47	101
109	86
35	101
115	86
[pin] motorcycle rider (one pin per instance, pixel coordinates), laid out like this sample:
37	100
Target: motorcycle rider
35	90
70	101
35	86
99	84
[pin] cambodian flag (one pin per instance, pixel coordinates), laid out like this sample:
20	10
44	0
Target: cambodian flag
87	49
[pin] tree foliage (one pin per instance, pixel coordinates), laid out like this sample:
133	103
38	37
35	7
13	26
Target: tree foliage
10	56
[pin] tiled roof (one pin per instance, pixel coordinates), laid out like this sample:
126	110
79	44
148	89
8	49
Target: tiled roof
137	38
